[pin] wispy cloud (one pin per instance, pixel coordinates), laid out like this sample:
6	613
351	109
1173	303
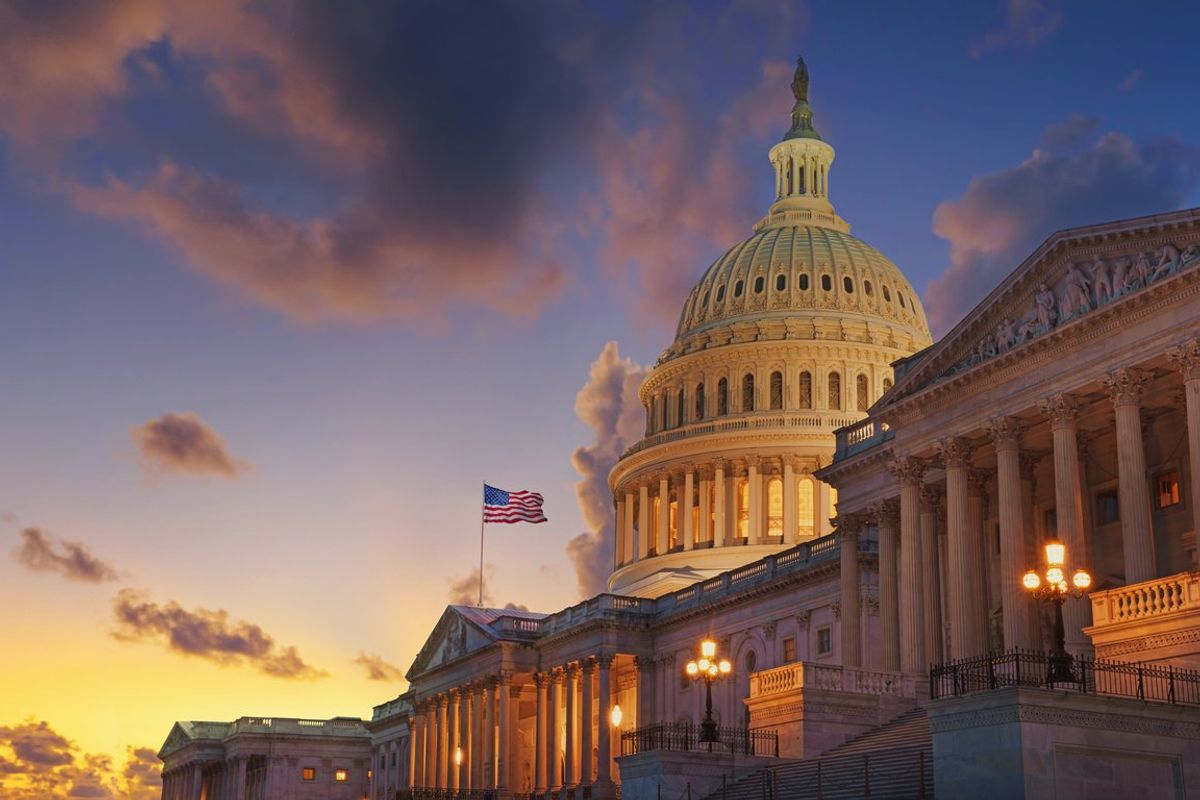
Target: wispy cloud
1027	23
377	668
1130	81
181	444
41	552
39	763
206	634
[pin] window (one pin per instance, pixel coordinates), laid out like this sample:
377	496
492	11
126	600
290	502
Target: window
680	409
780	283
308	774
665	407
775	507
1166	487
1107	507
789	650
655	506
721	294
751	661
901	296
371	773
673	539
760	283
860	388
826	283
748	393
722	397
804	282
700	401
835	390
887	295
805	516
743	508
705	303
737	288
806	389
868	289
824	641
340	775
832	502
848	284
887	384
776	390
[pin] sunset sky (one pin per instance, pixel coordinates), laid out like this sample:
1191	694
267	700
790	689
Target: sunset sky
281	284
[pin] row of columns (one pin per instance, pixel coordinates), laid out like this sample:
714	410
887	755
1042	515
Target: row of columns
911	599
576	697
799	175
640	535
219	780
462	739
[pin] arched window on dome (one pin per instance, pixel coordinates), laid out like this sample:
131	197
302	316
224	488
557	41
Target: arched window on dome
806	389
803	282
868	289
848	284
776	391
722	397
721	294
781	282
775	507
743	509
860	389
791	169
748	392
704	305
680	408
887	384
835	390
805	507
760	283
699	401
887	294
738	287
827	283
900	294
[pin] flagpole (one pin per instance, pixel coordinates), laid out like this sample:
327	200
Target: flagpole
482	505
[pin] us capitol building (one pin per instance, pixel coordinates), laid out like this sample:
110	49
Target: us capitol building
843	509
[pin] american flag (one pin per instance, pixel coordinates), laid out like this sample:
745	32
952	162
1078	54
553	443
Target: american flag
502	506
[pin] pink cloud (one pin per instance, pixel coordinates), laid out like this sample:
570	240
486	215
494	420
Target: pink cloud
181	444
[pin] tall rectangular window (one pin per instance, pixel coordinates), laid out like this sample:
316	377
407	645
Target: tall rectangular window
789	650
1167	489
824	641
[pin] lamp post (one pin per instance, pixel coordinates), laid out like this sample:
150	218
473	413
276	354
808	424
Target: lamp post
1054	588
708	669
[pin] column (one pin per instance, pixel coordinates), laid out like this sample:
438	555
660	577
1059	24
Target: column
572	686
643	529
931	498
554	758
1125	386
453	739
630	546
418	747
1186	359
1014	601
439	747
467	737
889	606
847	532
487	729
504	733
541	727
719	524
604	729
663	544
912	603
1031	550
685	507
645	690
481	746
1062	411
822	510
978	549
755	534
789	501
704	533
588	728
956	454
619	554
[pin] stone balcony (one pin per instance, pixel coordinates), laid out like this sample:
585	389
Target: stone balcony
800	421
860	436
1155	621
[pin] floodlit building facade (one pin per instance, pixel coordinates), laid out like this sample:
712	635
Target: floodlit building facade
840	505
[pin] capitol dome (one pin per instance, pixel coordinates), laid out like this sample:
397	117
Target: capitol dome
787	337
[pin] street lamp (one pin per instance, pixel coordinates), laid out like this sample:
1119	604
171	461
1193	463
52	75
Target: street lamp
615	715
709	669
1053	588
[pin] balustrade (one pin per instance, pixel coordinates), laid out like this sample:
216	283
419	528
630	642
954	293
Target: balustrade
1140	601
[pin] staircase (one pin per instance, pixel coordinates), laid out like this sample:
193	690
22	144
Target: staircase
890	762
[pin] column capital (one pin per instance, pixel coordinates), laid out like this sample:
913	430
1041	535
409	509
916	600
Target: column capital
848	524
571	671
794	461
886	512
719	464
557	675
504	677
540	679
1005	432
753	460
1125	386
932	495
1062	410
955	452
644	663
588	665
1186	359
908	470
604	660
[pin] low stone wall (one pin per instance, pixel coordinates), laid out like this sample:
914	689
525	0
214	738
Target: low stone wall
1041	744
1155	621
669	775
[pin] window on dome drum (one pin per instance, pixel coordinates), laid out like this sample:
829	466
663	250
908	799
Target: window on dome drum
697	534
789	650
804	283
901	296
848	284
722	397
680	409
308	774
800	188
780	283
860	387
655	506
743	508
827	283
887	295
748	392
806	389
737	288
665	408
775	507
835	390
760	283
649	418
699	401
721	294
868	289
1166	488
776	391
673	540
340	775
805	511
887	384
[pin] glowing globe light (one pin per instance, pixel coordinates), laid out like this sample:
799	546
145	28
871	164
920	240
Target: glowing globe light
692	668
1054	575
1031	580
703	664
615	715
725	666
1081	579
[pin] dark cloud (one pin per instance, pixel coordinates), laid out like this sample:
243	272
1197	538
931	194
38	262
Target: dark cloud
608	404
42	553
464	591
38	763
206	634
378	669
180	444
1026	24
1075	179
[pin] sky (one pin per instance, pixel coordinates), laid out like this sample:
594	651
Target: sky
282	284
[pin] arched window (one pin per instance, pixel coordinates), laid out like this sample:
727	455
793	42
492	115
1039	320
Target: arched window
722	397
780	283
721	294
760	283
737	288
803	282
649	417
751	662
655	506
776	391
666	407
860	388
806	389
805	510
673	539
680	409
901	296
835	390
887	384
826	283
748	392
705	303
699	401
790	171
800	188
775	507
868	289
743	508
848	284
887	294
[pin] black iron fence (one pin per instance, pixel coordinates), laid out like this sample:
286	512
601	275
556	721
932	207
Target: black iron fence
1164	684
684	736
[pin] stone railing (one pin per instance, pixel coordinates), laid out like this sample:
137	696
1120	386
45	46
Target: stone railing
829	677
860	436
600	606
754	420
338	726
1149	599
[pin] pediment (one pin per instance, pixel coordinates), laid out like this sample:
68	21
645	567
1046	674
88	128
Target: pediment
452	638
176	739
1073	274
